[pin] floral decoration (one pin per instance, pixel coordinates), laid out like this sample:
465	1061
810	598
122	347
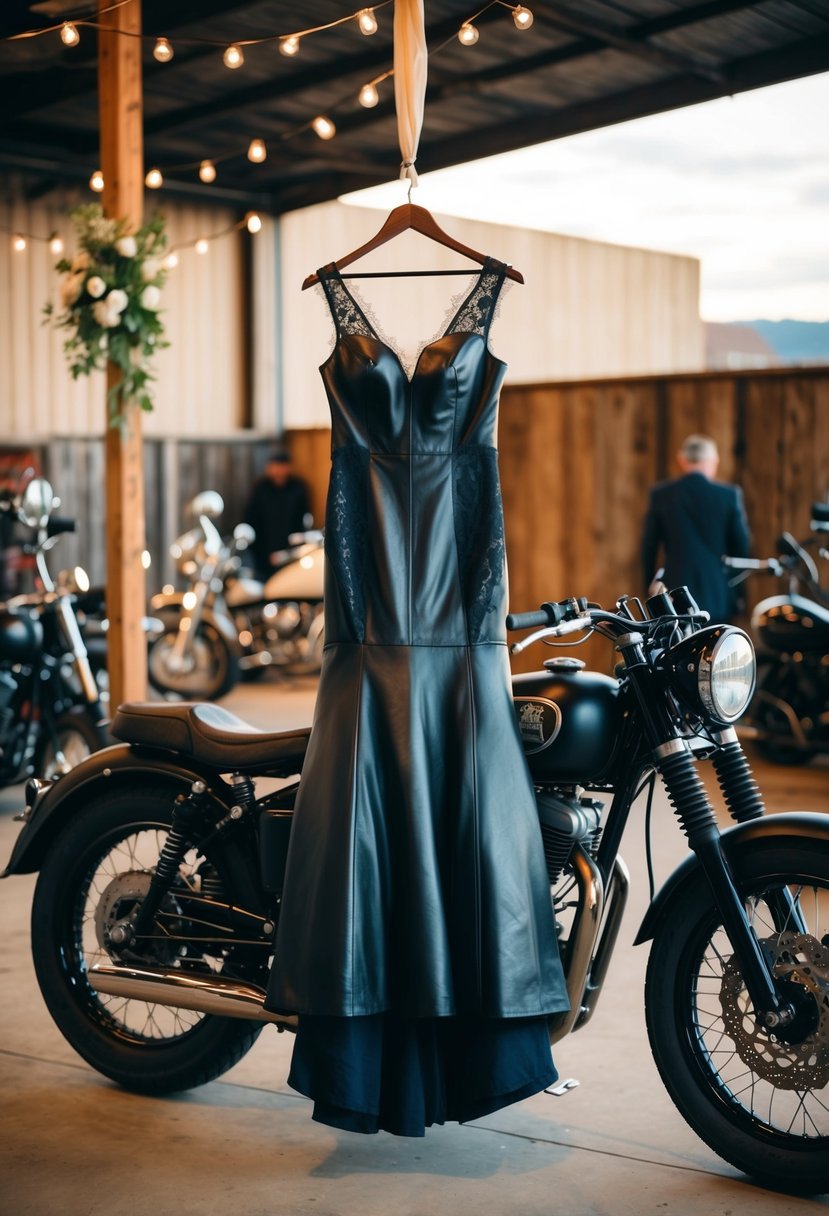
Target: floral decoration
110	293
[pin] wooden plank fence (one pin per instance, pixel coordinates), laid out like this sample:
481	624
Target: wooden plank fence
577	461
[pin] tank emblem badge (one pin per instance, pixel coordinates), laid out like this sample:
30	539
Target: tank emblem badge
539	722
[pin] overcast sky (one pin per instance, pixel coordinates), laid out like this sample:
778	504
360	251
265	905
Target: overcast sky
741	183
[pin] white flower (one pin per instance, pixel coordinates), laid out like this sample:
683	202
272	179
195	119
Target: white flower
150	297
70	288
150	269
117	300
96	286
127	247
104	315
81	260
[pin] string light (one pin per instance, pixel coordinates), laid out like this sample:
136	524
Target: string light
324	127
154	179
69	35
257	152
18	243
162	51
253	222
207	172
55	244
289	46
522	17
201	245
468	34
171	261
96	181
368	96
367	21
233	57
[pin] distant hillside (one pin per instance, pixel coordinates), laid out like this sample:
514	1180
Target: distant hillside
795	341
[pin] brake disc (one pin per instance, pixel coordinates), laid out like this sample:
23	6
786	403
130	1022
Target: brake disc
800	959
118	901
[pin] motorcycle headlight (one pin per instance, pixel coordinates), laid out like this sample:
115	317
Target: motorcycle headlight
713	671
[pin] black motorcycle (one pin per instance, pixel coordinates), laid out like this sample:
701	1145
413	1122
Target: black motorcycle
161	873
50	710
789	714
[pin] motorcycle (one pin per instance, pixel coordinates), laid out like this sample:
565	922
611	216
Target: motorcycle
50	710
227	624
789	715
160	875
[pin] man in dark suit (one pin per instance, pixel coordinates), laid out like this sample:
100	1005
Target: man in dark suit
696	520
279	505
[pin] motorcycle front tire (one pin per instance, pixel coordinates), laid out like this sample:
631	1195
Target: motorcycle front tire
96	860
211	670
758	1102
76	736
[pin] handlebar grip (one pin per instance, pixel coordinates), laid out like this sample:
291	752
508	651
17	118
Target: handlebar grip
547	614
58	524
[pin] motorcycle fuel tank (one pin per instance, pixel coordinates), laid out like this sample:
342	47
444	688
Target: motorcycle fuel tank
301	579
790	622
21	636
570	721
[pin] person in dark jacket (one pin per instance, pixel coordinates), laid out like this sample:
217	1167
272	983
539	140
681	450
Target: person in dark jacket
278	505
695	521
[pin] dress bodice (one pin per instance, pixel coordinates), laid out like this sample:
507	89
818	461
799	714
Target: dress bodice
414	509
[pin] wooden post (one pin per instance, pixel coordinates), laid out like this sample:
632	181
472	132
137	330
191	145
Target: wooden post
122	164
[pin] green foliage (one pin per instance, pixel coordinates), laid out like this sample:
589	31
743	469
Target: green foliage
110	295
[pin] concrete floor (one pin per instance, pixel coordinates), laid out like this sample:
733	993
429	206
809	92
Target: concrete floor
73	1144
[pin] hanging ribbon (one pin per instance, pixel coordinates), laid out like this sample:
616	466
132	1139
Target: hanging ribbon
410	64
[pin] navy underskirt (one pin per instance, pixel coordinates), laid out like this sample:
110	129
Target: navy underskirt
401	1075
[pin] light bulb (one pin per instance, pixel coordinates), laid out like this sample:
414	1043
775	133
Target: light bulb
368	96
289	46
55	244
201	245
233	57
96	181
171	261
324	127
18	243
154	179
257	151
468	34
367	21
207	171
162	51
253	222
522	17
69	35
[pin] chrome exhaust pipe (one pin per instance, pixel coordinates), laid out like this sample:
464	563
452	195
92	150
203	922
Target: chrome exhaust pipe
581	942
226	998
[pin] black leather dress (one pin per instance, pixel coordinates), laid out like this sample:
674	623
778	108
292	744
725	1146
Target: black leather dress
416	934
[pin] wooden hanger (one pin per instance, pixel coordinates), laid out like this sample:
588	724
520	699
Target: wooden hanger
401	219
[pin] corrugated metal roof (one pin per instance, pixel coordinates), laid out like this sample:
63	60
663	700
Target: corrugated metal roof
580	66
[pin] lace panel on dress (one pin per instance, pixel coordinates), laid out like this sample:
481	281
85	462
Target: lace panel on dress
475	314
346	529
479	531
347	315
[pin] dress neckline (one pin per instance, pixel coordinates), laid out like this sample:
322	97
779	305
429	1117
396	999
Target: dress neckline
457	305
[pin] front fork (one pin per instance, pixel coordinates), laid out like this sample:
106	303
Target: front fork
696	817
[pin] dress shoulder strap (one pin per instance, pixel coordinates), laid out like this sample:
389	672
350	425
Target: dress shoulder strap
477	311
349	318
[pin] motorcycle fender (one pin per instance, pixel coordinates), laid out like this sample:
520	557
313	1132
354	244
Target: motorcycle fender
795	825
114	768
222	623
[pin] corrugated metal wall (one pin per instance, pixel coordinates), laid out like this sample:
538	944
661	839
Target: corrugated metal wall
202	384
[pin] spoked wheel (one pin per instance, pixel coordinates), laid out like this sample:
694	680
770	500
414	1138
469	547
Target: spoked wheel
206	668
96	873
76	737
759	1099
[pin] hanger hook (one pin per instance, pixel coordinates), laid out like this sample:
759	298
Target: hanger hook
409	191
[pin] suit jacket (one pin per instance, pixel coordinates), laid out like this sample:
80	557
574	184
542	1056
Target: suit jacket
696	522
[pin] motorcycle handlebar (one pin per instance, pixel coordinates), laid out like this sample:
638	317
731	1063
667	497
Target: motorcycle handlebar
58	524
547	614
